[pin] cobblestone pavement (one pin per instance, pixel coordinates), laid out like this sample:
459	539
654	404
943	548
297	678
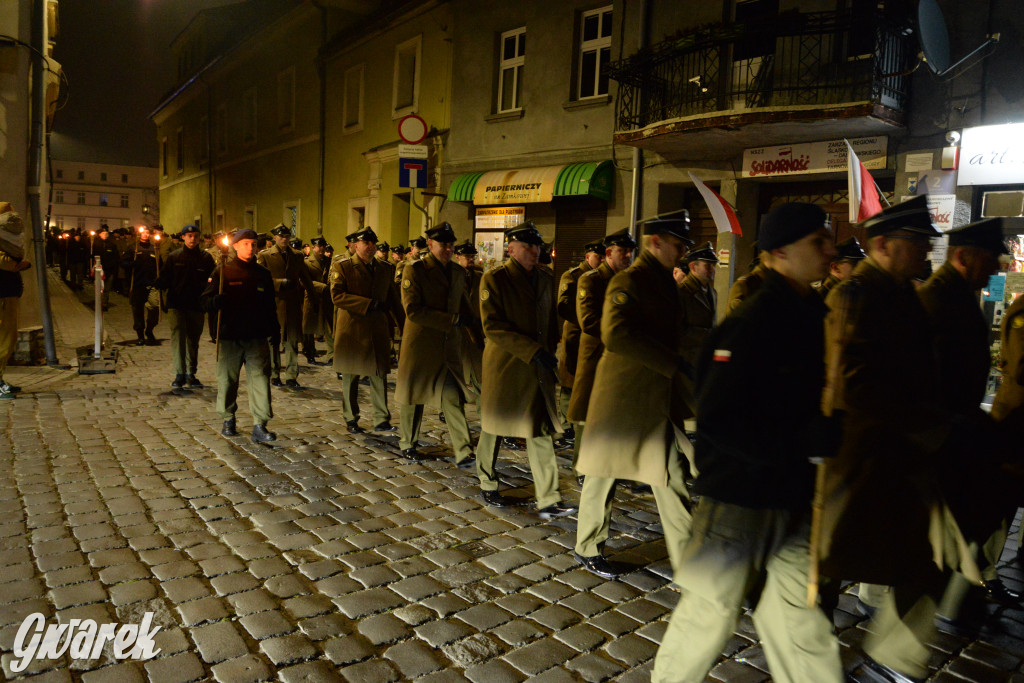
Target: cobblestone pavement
326	556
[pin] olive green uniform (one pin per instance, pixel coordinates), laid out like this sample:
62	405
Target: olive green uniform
745	287
317	307
699	305
568	351
473	336
1010	396
291	280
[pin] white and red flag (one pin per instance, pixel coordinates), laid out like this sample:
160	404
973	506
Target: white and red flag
723	214
864	201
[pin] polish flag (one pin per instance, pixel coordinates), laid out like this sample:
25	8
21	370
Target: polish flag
863	195
723	215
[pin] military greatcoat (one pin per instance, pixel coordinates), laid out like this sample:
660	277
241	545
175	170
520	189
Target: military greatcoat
590	291
745	287
473	334
699	312
569	351
363	299
1010	396
434	297
291	279
640	399
317	302
517	310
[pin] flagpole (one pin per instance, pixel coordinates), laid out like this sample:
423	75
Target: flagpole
880	193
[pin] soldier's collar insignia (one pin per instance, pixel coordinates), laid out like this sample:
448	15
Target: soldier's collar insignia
406	283
620	298
1018	322
484	295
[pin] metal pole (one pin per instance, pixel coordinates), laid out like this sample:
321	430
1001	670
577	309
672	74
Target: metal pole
35	176
97	280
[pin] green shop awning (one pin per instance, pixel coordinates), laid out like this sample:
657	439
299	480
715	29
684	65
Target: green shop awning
530	185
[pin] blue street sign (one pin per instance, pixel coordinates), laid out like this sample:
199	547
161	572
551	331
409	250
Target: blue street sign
412	172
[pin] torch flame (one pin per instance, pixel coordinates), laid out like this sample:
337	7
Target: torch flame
224	241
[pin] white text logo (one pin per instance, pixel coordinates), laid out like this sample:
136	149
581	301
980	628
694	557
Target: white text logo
81	639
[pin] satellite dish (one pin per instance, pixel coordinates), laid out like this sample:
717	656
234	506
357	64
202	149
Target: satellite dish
934	37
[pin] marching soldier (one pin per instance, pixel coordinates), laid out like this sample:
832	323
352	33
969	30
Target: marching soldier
698	300
106	248
317	309
241	292
412	254
745	286
142	295
472	334
595	505
430	367
1010	395
593	255
634	420
397	255
291	279
184	276
364	299
848	256
382	251
517	310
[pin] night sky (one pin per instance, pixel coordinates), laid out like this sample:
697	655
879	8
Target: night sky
117	60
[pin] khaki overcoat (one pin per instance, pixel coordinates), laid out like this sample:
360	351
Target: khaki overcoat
640	399
362	342
590	290
699	312
317	303
745	287
517	311
568	352
431	343
1010	395
291	281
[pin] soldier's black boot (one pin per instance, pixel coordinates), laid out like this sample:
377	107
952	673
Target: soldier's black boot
179	381
261	435
150	337
193	381
141	341
229	428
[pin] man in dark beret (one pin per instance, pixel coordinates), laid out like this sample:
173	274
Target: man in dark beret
758	391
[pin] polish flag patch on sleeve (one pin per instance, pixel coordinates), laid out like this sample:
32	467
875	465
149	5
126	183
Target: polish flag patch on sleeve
722	356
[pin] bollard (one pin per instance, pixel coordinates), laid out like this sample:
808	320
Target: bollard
97	362
97	279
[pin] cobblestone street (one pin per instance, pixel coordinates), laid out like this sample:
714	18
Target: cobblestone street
326	556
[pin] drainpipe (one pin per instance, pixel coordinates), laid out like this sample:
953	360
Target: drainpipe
321	66
35	174
636	200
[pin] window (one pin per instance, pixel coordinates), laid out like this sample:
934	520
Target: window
249	116
60	222
510	69
58	196
124	201
179	139
81	175
406	89
286	100
60	172
104	200
103	177
595	52
204	140
124	178
81	198
163	157
291	216
221	129
353	105
80	221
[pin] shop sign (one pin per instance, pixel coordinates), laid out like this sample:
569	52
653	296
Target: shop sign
813	157
992	155
527	185
942	207
489	236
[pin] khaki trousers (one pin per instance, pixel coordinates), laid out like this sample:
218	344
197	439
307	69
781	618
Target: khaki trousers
186	329
730	545
378	397
8	330
255	355
541	452
290	370
564	395
903	628
453	405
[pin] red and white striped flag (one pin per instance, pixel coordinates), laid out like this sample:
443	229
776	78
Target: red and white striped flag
723	215
863	195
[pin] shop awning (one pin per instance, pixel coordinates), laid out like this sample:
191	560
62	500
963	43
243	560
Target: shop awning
531	185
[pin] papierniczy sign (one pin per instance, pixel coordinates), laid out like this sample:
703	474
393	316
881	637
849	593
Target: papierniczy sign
813	157
81	639
992	155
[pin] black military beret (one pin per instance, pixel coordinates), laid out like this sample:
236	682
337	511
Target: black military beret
985	234
442	232
318	241
465	249
383	246
419	242
281	230
526	233
364	235
295	243
912	215
622	238
243	234
676	226
187	229
596	247
705	253
790	222
849	250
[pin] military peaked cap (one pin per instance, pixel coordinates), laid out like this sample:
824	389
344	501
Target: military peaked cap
295	244
705	253
465	249
383	246
399	249
912	215
596	247
527	233
849	250
318	241
985	234
442	232
364	235
419	242
281	230
677	227
621	238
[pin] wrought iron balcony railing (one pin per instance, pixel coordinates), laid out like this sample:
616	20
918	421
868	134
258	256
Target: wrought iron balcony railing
798	59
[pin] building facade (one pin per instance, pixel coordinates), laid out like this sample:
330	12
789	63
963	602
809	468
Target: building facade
86	195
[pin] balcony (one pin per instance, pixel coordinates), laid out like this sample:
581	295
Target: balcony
799	77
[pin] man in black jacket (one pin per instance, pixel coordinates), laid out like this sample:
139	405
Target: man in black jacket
144	262
184	276
104	247
759	382
242	293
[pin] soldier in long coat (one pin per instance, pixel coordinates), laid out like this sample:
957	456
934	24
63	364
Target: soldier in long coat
641	396
568	351
430	368
517	310
698	300
472	334
317	308
745	287
364	302
849	254
291	280
1010	395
